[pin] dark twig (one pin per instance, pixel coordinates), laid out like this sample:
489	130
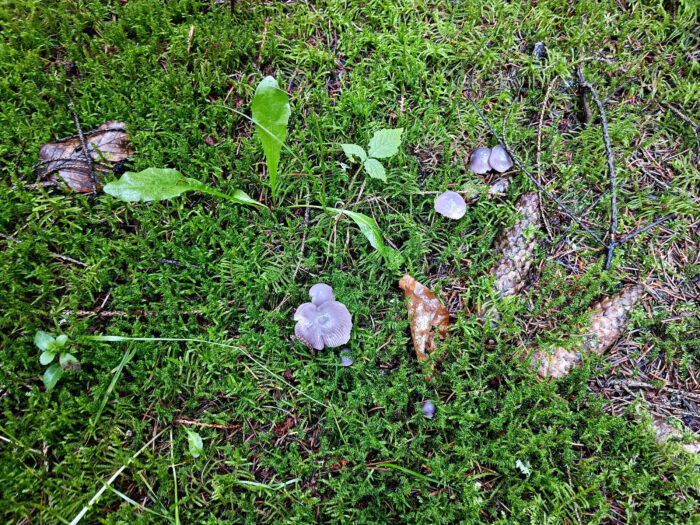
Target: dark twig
524	169
611	166
86	153
642	230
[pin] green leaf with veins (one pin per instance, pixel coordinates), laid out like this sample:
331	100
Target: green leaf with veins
195	443
375	169
44	341
354	152
270	110
52	375
46	357
385	143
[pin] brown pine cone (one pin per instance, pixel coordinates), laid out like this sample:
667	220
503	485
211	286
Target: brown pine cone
608	320
515	247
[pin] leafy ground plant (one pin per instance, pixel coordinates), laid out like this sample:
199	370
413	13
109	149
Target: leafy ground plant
383	144
51	347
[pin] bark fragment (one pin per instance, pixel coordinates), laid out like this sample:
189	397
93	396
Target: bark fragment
425	311
608	320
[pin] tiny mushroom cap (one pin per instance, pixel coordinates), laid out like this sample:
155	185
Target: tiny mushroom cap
321	293
323	322
480	161
451	205
346	357
499	159
428	409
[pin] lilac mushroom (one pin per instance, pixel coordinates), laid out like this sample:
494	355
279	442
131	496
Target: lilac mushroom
324	321
480	161
428	409
346	357
451	205
499	159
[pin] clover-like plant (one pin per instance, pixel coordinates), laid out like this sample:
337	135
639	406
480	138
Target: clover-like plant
51	346
383	144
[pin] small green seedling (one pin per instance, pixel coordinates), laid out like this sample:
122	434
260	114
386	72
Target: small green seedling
383	144
195	442
50	346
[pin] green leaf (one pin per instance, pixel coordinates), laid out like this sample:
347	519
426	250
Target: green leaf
371	231
43	341
385	143
46	357
151	184
195	442
52	375
270	109
375	169
353	151
69	362
155	184
61	340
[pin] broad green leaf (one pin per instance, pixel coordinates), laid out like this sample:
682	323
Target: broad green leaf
353	151
375	169
69	362
195	442
371	231
385	143
155	184
46	357
44	341
52	375
151	184
61	340
270	109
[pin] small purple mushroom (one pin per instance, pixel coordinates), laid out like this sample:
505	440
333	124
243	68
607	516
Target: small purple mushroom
480	161
451	205
346	357
428	409
324	321
499	159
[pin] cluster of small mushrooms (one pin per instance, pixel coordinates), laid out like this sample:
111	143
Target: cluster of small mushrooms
450	203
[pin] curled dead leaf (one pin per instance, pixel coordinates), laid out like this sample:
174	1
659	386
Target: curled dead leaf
64	162
425	311
608	319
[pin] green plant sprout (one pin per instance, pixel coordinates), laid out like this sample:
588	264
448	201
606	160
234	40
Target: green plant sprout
383	144
194	440
50	346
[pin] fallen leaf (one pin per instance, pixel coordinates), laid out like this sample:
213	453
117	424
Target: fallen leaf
425	311
64	162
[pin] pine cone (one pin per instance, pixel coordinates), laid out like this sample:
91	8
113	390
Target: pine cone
608	320
515	247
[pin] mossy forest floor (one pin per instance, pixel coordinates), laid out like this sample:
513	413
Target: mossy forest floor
503	447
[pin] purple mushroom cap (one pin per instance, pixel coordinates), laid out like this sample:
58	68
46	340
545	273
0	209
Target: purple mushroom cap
323	323
346	357
480	161
428	409
321	293
499	159
451	205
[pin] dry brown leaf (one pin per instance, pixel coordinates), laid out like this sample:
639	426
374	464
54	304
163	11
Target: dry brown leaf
425	311
608	320
63	161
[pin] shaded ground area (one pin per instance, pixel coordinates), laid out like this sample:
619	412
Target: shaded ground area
502	447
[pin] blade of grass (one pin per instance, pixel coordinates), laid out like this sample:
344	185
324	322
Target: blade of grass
412	473
125	359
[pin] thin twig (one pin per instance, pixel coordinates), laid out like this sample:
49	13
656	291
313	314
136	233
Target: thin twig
208	425
642	230
86	153
611	166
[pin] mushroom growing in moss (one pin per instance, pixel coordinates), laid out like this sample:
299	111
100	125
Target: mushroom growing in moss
499	159
451	205
324	321
479	162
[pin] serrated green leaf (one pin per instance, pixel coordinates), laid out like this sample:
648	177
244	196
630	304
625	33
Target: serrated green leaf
375	169
43	341
69	362
151	184
52	375
371	231
385	143
61	340
46	357
353	151
270	110
195	443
